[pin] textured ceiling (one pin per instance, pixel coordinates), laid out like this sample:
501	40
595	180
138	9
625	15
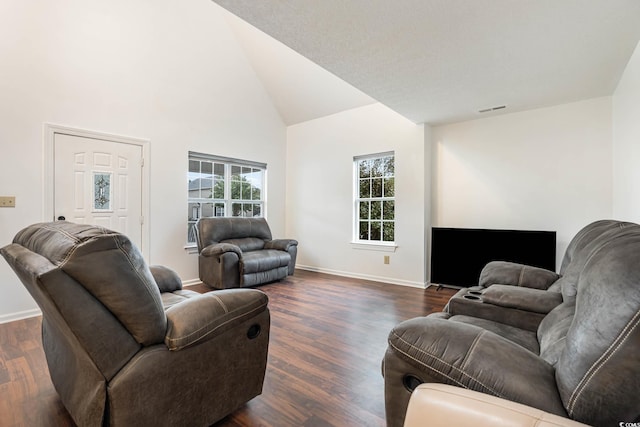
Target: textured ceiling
439	61
299	89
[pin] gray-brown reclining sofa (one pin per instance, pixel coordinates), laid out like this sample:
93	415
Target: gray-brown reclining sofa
240	252
566	343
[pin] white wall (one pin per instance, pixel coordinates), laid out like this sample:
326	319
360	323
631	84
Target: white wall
626	143
543	169
320	193
154	70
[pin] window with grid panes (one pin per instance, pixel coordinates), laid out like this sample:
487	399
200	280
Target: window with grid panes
220	186
375	198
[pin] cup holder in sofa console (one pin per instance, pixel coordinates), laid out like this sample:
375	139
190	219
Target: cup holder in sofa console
472	297
477	293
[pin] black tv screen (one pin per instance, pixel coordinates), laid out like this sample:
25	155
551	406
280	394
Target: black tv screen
459	254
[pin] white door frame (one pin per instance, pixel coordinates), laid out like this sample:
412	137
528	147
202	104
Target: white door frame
49	179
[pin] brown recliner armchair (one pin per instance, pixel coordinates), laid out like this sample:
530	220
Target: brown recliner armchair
581	362
125	344
240	252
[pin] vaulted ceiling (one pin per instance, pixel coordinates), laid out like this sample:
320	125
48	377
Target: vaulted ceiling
435	61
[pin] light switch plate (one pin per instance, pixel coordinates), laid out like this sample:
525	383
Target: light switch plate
7	202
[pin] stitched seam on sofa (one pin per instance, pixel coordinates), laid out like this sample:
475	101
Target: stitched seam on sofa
159	308
453	380
473	346
68	256
76	247
63	232
602	360
197	332
548	346
544	418
443	362
538	420
70	236
73	332
217	298
212	330
521	275
539	414
132	365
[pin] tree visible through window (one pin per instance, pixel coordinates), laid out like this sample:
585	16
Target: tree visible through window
375	198
219	186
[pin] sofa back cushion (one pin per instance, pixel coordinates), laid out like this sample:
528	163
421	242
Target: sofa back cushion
598	372
70	315
215	230
109	267
582	246
247	243
582	238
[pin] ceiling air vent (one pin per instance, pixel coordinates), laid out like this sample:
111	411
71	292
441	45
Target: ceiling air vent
486	110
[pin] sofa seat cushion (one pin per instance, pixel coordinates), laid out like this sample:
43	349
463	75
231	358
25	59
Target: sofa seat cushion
170	299
264	260
526	339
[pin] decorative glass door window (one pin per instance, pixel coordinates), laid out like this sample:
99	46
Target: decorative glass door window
102	191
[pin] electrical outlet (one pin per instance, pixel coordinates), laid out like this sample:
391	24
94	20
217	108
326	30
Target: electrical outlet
386	259
7	202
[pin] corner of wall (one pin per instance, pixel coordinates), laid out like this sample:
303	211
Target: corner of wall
428	178
625	134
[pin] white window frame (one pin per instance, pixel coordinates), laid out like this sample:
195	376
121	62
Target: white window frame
357	243
226	201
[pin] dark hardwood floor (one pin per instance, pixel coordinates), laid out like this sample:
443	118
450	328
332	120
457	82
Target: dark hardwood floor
328	337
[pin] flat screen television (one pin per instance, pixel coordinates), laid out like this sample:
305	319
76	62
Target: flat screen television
459	254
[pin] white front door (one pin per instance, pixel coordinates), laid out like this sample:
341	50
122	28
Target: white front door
97	181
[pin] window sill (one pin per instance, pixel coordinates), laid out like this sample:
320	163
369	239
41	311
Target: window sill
380	247
191	249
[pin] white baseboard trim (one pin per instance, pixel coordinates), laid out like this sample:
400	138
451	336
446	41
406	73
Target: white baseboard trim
390	280
191	282
12	317
440	285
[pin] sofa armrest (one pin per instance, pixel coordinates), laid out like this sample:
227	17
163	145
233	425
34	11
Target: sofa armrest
509	273
280	244
220	248
166	279
210	314
437	350
441	405
471	302
528	299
